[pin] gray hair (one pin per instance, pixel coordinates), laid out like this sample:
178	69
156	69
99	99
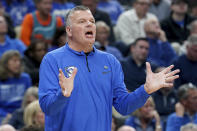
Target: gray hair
183	91
70	12
102	24
189	127
192	39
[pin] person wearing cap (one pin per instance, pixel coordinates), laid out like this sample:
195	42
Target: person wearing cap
175	26
187	63
185	108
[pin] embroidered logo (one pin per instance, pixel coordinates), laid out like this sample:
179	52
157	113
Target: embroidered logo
69	70
106	70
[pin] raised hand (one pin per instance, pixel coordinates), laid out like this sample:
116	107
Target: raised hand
155	81
67	84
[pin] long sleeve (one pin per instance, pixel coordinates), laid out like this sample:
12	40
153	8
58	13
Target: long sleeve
50	96
125	102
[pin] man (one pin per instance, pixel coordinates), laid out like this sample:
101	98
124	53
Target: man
161	51
40	24
185	109
130	25
83	99
134	66
175	26
187	63
6	43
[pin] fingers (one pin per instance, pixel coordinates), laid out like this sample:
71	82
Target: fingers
168	69
173	73
168	85
171	79
148	68
74	73
61	74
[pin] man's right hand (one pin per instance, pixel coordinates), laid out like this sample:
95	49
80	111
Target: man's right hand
67	84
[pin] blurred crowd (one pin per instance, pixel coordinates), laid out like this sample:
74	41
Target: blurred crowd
162	32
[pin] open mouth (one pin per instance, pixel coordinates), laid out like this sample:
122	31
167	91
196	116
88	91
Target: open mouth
89	34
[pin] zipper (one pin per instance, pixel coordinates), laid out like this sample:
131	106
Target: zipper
87	63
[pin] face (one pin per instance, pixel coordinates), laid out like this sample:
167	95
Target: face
140	50
30	99
194	11
39	118
146	110
45	6
91	4
14	65
102	35
152	27
3	25
82	29
39	52
2	10
192	52
142	6
191	101
180	8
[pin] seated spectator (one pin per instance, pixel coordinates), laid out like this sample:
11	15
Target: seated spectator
33	115
17	9
175	26
32	59
187	63
59	38
160	8
40	24
113	8
160	51
13	83
16	119
130	25
102	42
6	43
185	109
7	128
99	15
61	8
146	118
189	127
10	26
126	128
134	67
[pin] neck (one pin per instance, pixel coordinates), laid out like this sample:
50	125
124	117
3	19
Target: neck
138	62
178	17
140	15
144	122
151	35
80	47
2	38
43	16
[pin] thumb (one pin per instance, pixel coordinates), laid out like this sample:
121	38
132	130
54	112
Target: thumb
148	68
74	73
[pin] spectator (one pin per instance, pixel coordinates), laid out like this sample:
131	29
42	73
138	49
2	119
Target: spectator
126	128
32	128
102	42
6	43
40	24
161	51
145	118
13	83
7	128
17	9
32	59
61	8
187	63
185	109
189	127
112	7
99	15
134	67
10	27
175	26
17	117
160	8
130	25
59	38
33	115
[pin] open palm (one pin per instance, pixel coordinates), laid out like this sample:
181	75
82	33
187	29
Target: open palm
155	81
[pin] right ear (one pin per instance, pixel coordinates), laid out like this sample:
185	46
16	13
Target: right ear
68	31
